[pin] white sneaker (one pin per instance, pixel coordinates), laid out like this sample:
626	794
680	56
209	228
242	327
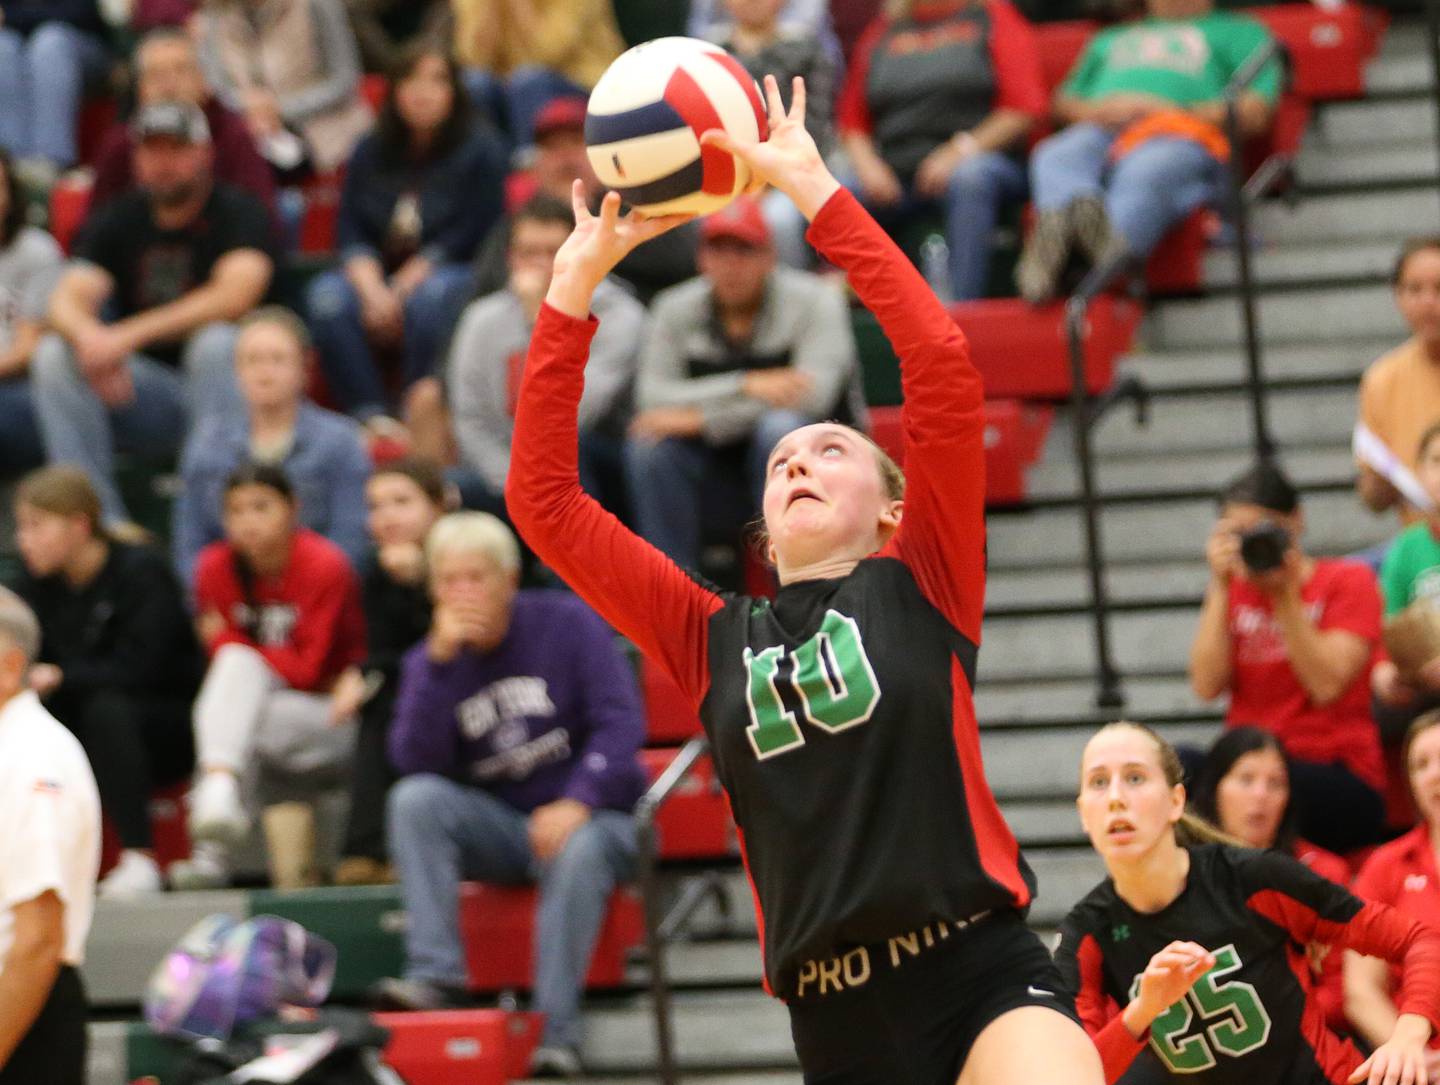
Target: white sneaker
135	875
216	812
206	868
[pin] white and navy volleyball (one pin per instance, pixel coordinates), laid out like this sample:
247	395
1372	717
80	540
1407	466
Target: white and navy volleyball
646	117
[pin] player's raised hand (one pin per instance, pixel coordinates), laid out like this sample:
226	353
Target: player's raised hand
1165	981
1400	1060
596	245
789	159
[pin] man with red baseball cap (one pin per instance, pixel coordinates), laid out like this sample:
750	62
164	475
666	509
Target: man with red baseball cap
734	360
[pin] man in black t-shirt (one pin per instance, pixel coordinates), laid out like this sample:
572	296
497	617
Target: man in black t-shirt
144	313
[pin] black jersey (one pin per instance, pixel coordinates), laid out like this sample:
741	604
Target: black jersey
1252	1017
841	716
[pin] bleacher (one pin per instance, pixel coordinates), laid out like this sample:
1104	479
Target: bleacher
1364	178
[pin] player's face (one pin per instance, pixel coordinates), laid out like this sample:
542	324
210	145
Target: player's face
258	521
475	581
269	366
1251	799
1423	766
1418	294
1125	803
824	497
48	540
399	510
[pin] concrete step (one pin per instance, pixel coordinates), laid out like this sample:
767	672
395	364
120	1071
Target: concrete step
1045	766
1285	316
1070	587
1040	702
1225	367
1056	646
1369	122
1325	165
729	1030
1398	72
1166	530
729	962
1350	216
1310	263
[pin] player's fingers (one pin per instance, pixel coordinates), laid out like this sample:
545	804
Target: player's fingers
577	201
1362	1072
718	137
797	100
773	105
610	211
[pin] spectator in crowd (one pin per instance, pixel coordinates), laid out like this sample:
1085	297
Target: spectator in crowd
321	452
717	19
935	111
733	361
292	70
559	159
1403	875
176	262
49	856
30	264
387	29
515	734
758	39
1144	146
280	616
167	69
519	54
851	18
1400	391
50	51
1291	639
487	359
405	498
1243	787
420	193
118	664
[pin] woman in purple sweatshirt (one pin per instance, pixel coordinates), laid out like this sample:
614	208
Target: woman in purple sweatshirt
516	727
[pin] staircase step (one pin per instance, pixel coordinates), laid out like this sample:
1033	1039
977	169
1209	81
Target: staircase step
1349	217
1321	165
1272	265
1045	766
1367	122
1288	316
1038	703
1225	367
1070	586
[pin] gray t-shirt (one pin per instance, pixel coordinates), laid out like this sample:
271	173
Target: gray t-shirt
29	268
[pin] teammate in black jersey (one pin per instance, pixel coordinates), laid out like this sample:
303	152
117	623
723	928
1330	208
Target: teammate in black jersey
1200	948
888	888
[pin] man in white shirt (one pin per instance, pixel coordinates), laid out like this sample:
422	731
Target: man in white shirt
49	858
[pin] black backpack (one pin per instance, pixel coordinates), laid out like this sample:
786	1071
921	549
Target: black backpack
356	1058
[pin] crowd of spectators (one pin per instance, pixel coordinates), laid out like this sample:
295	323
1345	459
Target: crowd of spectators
325	625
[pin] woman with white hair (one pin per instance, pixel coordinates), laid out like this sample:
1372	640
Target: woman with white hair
515	729
49	856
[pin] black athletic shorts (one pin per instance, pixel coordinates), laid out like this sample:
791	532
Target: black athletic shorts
53	1052
907	1011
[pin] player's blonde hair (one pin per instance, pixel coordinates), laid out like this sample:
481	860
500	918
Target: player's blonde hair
1191	828
473	533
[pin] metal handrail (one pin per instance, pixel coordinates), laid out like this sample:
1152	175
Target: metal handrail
659	928
1240	199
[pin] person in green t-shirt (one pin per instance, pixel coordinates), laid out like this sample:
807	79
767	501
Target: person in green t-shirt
1411	571
1144	147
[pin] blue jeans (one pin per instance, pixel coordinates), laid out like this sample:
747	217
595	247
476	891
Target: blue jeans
515	101
441	832
671	481
980	186
42	76
1146	192
20	445
346	356
77	428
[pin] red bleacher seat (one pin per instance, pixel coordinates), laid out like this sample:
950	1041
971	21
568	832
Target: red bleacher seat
1014	439
1060	46
497	925
373	89
694	822
97	116
670	716
1328	49
322	208
1022	353
69	201
479	1047
170	838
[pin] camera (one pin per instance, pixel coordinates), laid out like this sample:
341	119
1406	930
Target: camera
1262	547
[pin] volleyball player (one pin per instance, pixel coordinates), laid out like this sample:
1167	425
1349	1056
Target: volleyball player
890	892
1191	956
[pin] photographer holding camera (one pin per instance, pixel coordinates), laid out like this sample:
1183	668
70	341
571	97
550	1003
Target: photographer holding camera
1292	639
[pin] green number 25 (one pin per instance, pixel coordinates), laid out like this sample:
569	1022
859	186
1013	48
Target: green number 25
1240	1021
832	675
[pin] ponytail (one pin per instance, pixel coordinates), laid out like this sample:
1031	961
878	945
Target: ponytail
1191	829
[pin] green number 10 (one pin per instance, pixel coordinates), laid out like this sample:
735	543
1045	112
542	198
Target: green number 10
830	672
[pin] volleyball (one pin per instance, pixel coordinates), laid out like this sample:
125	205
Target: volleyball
647	114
